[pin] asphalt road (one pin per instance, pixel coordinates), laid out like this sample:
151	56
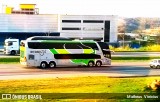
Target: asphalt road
115	54
117	69
4	55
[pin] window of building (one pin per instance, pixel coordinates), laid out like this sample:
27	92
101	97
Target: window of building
92	21
71	28
71	21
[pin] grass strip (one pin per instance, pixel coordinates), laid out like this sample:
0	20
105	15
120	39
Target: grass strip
77	85
9	59
88	84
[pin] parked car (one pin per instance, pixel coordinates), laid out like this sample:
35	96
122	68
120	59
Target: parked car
155	63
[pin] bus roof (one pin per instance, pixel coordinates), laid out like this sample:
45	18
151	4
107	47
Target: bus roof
47	38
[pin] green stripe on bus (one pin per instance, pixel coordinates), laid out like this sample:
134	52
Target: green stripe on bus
79	61
53	51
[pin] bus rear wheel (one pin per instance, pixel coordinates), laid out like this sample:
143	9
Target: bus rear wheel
43	65
52	64
98	63
90	64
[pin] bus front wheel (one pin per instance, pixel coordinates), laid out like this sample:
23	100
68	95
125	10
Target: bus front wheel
43	65
52	64
98	63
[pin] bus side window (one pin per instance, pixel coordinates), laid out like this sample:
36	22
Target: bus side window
31	57
92	45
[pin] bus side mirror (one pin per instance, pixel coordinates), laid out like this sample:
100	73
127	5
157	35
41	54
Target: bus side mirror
105	50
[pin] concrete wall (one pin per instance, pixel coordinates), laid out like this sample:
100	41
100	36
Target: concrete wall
88	30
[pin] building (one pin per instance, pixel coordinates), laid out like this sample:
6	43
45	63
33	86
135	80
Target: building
95	27
28	22
24	9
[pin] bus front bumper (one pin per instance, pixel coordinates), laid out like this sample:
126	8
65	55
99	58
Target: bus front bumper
106	62
24	63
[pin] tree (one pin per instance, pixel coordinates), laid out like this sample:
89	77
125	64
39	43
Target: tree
122	29
121	26
131	24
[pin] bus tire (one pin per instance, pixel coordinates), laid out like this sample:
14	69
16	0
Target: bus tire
158	66
90	64
52	64
98	63
13	52
43	65
154	66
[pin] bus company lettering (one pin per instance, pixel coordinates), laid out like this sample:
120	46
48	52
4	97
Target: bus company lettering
26	96
41	52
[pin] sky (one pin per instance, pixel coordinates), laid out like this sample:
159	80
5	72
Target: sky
122	8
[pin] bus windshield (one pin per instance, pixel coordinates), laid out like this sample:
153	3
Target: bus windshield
105	49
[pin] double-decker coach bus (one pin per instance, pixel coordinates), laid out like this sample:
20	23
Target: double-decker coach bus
47	51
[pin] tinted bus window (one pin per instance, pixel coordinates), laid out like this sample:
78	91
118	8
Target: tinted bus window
76	45
45	45
91	45
103	45
77	56
61	45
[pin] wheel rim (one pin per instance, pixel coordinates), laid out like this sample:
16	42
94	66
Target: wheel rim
98	64
154	66
43	65
90	64
52	65
12	53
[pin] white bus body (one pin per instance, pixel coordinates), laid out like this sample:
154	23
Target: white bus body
11	46
62	52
